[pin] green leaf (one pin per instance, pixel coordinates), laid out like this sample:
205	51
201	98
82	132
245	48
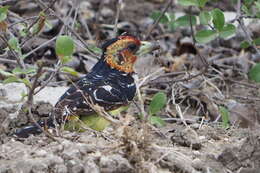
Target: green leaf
225	116
246	10
201	3
14	44
258	15
155	120
248	3
26	82
218	18
95	49
65	59
185	21
171	16
3	13
48	24
16	79
204	17
23	31
70	71
39	25
205	36
64	46
11	79
24	94
156	14
29	70
5	73
244	44
188	2
158	102
256	41
254	73
257	4
17	70
227	31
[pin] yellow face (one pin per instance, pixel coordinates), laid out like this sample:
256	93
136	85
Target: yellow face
121	54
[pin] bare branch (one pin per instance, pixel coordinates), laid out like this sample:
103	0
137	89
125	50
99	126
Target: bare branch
240	20
118	7
150	29
69	28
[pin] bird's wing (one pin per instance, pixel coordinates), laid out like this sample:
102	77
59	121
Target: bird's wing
104	93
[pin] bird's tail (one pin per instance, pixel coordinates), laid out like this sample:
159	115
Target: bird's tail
34	129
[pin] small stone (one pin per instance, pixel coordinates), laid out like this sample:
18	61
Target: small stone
186	138
202	137
197	153
60	169
40	167
90	166
107	12
75	166
249	170
40	153
115	163
197	164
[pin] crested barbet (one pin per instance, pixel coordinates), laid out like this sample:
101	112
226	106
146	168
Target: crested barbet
109	84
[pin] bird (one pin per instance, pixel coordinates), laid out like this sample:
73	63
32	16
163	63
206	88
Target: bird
109	84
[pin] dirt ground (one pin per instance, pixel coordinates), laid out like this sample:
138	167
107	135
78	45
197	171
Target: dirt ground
193	139
137	147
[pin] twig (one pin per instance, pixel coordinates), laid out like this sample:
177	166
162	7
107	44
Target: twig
75	16
141	82
9	61
34	85
118	7
40	46
33	23
18	59
35	122
247	98
85	24
214	86
70	29
178	108
141	104
58	65
202	121
29	102
188	121
7	1
202	58
22	21
163	156
57	69
191	27
3	60
178	80
67	20
243	83
240	20
150	29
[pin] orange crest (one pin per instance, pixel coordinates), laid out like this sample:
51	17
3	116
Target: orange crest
118	55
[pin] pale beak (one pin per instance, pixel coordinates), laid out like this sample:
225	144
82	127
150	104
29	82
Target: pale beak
147	47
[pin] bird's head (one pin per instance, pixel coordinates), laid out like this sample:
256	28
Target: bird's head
121	53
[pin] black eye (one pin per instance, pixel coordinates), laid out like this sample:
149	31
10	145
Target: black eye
132	47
